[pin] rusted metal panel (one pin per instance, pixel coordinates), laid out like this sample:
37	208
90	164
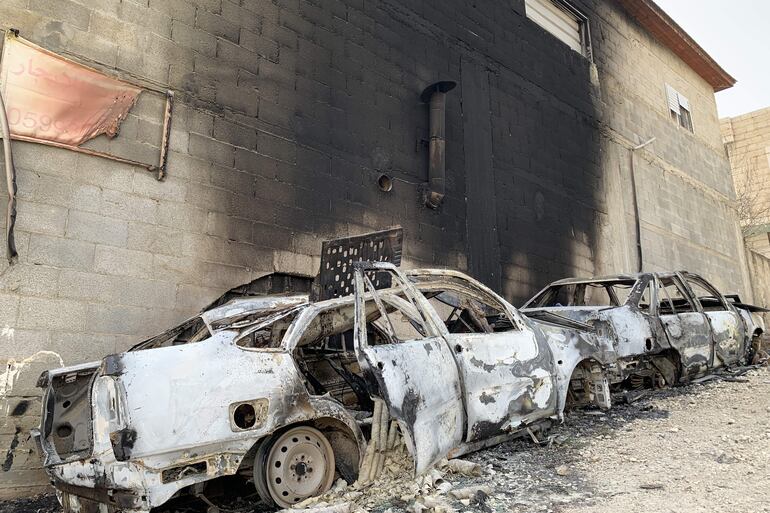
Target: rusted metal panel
167	113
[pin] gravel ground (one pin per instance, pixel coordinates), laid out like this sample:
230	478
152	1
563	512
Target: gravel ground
702	447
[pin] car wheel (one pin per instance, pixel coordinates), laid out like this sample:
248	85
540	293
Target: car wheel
293	465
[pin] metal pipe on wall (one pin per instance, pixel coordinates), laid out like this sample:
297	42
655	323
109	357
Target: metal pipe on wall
637	221
435	96
10	175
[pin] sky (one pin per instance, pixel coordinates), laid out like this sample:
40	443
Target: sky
736	33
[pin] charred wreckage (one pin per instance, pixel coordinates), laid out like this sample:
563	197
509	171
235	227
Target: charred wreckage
288	383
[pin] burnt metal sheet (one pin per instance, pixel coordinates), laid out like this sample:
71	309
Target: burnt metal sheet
335	278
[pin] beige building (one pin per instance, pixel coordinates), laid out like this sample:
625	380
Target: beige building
747	143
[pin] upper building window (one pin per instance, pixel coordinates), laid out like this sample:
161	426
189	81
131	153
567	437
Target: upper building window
679	108
563	21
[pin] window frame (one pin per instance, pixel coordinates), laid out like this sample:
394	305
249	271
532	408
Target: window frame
683	289
683	106
688	278
584	26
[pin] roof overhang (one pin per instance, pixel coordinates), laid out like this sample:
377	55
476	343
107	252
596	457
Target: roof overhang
660	25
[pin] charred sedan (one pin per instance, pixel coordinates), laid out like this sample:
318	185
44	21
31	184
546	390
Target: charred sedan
287	394
663	328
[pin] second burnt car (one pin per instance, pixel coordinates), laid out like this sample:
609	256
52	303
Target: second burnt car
663	328
286	393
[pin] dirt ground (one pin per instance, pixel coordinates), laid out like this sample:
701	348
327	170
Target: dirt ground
703	447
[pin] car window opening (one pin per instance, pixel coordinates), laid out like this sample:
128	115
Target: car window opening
598	293
194	330
270	332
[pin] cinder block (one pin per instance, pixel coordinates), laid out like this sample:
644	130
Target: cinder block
9	309
90	227
154	239
146	19
40	218
277	147
63	10
51	314
170	189
193	298
218	25
211	150
29	279
236	13
262	46
240	99
134	291
228	227
235	134
103	173
187	168
176	9
85	286
238	55
193	38
60	252
184	217
120	205
122	262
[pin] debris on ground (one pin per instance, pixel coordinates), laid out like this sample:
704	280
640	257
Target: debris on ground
635	457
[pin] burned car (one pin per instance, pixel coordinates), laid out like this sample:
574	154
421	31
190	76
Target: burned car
664	328
288	394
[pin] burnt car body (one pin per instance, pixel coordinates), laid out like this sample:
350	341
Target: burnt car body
296	392
664	328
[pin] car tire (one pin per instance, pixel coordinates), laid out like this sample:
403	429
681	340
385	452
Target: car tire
293	465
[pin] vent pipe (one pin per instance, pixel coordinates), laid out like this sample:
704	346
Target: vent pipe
435	96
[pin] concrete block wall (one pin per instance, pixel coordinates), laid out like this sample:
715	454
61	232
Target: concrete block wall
287	112
747	143
759	268
686	198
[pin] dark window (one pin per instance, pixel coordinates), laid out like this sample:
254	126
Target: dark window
564	21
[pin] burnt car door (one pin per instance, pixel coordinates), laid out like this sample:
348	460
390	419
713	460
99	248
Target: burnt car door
728	329
401	348
686	326
506	371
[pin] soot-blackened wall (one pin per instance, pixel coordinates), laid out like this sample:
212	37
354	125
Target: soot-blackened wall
287	112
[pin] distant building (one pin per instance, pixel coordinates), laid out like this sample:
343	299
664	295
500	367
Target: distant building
747	142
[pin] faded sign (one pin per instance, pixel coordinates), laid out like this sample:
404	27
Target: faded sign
50	98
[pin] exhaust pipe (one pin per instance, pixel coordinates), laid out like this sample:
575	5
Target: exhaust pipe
435	96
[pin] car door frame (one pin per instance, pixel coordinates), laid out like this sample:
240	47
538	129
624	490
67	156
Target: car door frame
717	335
418	379
508	378
690	353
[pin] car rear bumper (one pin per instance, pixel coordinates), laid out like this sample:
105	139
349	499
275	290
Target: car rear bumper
79	499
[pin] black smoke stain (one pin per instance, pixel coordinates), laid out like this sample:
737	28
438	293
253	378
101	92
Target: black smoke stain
20	409
8	463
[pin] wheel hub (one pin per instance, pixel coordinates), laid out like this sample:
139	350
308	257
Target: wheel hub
300	464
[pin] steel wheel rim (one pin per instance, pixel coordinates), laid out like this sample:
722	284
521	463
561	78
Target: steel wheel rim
300	465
